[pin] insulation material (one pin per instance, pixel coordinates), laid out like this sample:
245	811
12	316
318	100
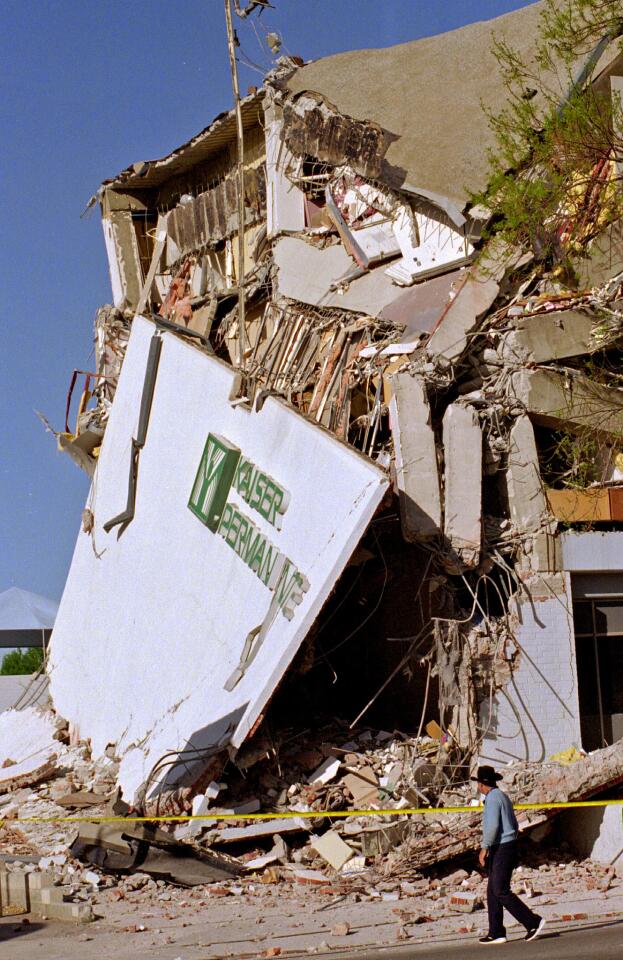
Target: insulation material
180	598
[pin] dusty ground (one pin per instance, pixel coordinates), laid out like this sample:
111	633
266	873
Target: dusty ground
277	919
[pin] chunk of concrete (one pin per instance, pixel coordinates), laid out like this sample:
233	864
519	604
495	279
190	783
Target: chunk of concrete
472	300
604	257
332	848
464	902
362	784
568	400
261	829
381	839
462	444
319	276
526	497
14	894
326	772
416	458
68	912
546	337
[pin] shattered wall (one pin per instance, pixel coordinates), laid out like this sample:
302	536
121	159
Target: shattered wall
535	714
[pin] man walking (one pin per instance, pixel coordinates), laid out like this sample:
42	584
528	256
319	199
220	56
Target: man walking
499	855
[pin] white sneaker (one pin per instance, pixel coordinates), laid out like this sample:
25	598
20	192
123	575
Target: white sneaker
535	932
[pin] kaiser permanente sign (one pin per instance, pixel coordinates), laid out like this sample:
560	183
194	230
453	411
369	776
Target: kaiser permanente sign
175	629
222	468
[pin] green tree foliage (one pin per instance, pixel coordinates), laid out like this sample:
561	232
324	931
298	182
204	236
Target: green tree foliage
553	178
22	662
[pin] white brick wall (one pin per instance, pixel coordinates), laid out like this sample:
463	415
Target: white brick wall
537	714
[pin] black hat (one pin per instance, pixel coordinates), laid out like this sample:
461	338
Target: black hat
487	775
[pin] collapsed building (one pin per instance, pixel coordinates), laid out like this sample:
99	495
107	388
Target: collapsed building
385	482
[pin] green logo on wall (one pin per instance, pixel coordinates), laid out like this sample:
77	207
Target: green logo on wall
213	481
223	468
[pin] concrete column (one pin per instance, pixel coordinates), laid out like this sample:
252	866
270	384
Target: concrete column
462	446
416	458
540	339
528	506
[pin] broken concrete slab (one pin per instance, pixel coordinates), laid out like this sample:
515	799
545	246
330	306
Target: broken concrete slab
417	474
308	877
430	842
462	446
28	750
526	495
419	307
604	257
549	336
308	273
326	771
473	298
264	828
123	847
569	400
258	863
332	848
363	785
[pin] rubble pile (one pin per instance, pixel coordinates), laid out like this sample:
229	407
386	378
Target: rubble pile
63	870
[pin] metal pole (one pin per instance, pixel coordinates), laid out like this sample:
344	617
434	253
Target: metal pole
597	672
239	137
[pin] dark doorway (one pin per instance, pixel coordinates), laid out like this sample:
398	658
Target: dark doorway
598	623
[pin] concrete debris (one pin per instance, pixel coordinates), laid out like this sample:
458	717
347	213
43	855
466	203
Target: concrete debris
261	829
332	848
28	750
326	771
417	476
463	480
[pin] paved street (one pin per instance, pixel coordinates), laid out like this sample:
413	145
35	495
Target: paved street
602	940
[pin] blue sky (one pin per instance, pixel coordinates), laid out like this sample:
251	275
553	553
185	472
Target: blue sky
89	87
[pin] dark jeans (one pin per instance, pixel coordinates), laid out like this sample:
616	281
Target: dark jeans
501	862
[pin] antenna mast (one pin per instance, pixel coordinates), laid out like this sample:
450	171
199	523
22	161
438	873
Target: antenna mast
231	46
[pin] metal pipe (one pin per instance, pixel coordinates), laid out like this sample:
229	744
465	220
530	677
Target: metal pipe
599	697
240	144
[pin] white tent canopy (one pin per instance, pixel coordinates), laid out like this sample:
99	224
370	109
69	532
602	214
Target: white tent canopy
26	619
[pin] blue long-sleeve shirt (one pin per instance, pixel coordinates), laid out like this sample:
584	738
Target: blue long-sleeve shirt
499	823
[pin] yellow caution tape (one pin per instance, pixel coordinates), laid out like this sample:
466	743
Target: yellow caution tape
310	814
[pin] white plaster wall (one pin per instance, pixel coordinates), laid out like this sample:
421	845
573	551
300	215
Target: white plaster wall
14	688
586	552
285	206
596	832
538	713
152	623
118	297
